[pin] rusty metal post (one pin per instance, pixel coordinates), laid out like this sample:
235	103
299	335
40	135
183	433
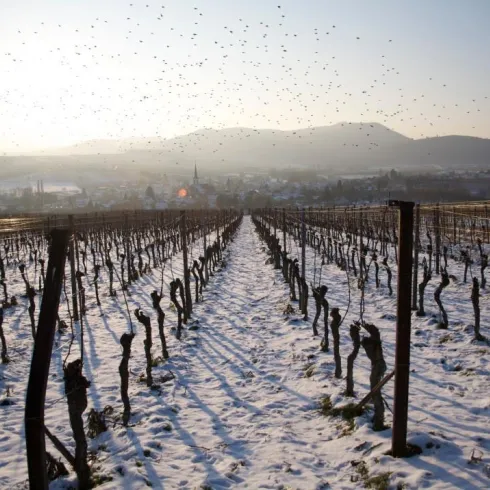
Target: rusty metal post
454	225
41	357
486	224
127	241
104	234
74	292
437	226
416	257
303	299
187	275
284	262
403	324
284	229
303	243
203	226
205	254
218	235
360	233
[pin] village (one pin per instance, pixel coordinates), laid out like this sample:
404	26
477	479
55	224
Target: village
283	188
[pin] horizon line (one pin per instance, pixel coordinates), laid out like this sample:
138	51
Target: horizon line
42	151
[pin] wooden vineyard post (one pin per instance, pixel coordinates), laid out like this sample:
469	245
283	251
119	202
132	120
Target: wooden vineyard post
74	293
41	357
486	224
416	257
128	248
217	234
187	278
303	243
473	232
437	231
104	233
454	225
375	390
284	229
303	298
403	324
360	235
284	261
203	225
204	233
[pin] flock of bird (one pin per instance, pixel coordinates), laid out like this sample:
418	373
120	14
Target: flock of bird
153	73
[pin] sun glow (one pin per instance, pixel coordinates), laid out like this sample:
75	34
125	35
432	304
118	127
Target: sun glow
182	192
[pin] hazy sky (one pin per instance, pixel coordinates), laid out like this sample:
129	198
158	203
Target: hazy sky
72	70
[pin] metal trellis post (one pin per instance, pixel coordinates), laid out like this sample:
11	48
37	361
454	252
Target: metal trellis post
403	324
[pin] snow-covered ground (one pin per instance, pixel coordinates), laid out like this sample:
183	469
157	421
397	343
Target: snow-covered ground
243	409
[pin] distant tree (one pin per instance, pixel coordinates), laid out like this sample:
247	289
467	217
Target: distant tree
150	193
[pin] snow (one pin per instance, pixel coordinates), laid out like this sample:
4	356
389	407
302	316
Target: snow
241	412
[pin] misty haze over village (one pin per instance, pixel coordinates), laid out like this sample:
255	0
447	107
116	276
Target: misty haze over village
309	167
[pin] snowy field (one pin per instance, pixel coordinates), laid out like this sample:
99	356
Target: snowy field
243	409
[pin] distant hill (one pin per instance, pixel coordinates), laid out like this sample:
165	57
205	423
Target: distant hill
239	138
340	148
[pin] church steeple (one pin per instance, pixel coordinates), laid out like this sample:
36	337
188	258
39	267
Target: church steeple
196	178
